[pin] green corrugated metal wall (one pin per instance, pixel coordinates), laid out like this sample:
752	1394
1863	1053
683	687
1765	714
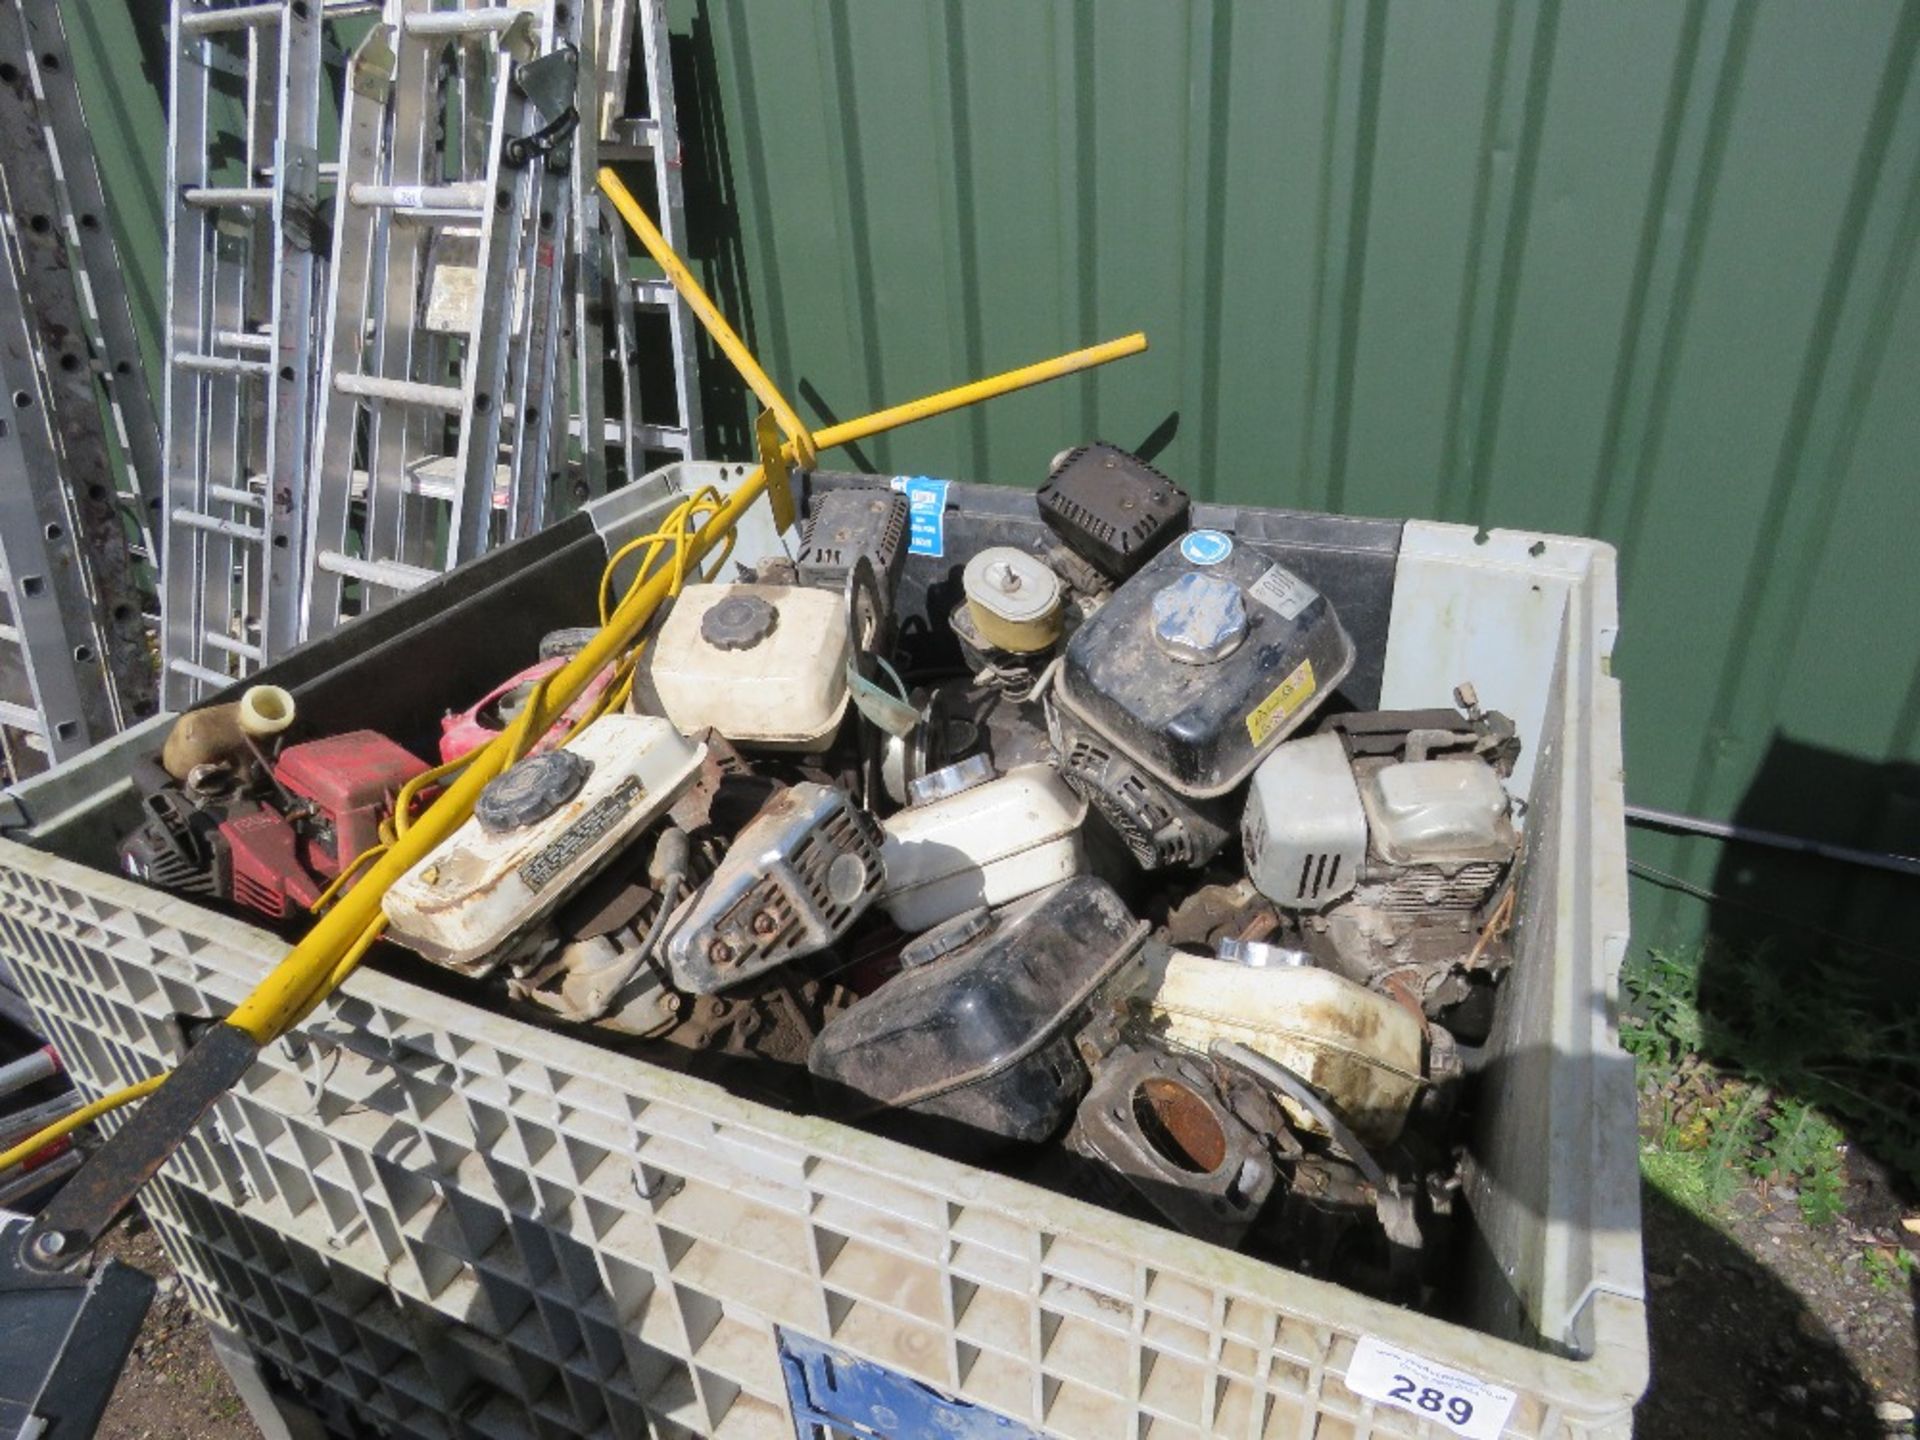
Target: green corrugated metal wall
1642	271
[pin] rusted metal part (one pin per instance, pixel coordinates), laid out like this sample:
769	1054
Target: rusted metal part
1166	1107
775	1019
610	901
90	1202
725	794
1395	987
1214	912
1157	1122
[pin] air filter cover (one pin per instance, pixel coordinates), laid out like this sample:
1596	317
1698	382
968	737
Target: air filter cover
1112	508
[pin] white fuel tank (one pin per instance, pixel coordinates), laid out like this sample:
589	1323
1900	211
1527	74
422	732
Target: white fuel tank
985	845
765	665
1359	1049
539	831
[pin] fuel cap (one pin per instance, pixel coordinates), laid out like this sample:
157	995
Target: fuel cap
1199	618
738	622
531	790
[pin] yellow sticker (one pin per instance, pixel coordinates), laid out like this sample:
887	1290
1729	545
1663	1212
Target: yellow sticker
1288	696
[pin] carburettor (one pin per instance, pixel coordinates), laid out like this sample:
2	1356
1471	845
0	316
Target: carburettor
1391	835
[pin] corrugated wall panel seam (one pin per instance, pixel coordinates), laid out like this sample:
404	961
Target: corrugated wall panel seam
1612	443
1077	58
1518	221
950	59
1207	150
1322	281
1353	277
1468	367
1659	386
840	95
743	133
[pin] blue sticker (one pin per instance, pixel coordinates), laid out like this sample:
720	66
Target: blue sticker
926	513
1206	547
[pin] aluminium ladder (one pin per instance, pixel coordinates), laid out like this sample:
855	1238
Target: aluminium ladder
55	698
75	664
442	322
241	267
647	133
97	270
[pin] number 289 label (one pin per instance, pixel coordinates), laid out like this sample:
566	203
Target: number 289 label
1463	1404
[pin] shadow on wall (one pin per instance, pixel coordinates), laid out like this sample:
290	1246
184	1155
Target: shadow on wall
713	231
150	22
1870	919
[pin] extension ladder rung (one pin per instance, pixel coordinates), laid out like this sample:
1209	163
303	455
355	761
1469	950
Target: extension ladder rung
325	170
223	365
436	23
268	12
232	495
464	201
663	437
402	392
655	294
630	138
232	646
229	197
217	678
389	574
22	717
213	524
438	478
254	340
235	17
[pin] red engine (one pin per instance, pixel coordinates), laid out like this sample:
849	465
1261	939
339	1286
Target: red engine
282	856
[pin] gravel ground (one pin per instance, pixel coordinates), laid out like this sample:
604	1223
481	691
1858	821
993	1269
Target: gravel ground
173	1387
1764	1325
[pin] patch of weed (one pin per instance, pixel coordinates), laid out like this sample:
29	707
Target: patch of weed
1884	1268
1827	1061
1802	1148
